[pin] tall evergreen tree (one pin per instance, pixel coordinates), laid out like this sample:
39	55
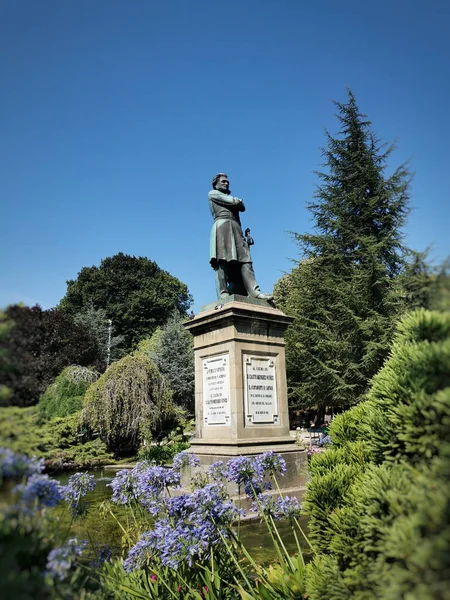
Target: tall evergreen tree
440	288
344	292
417	281
172	350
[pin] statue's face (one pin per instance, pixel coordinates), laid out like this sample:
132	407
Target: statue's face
223	185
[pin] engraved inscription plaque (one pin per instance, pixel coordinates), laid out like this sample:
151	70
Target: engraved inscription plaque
216	390
261	404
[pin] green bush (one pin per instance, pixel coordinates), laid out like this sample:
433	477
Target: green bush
20	431
161	453
60	441
379	500
65	395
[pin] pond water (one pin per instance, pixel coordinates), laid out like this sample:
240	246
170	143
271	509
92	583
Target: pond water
103	528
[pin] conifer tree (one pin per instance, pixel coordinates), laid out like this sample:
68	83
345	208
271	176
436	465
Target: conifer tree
378	500
171	348
344	291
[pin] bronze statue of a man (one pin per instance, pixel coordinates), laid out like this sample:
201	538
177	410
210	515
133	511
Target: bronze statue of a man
229	250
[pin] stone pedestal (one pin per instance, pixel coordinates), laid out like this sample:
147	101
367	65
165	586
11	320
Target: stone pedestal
241	403
240	378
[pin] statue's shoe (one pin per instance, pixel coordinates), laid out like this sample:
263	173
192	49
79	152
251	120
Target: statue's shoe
262	296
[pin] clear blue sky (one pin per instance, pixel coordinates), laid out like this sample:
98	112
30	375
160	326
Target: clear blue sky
115	115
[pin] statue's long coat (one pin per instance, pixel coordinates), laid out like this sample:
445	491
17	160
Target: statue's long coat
227	241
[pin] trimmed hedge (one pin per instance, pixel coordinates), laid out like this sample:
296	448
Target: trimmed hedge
379	499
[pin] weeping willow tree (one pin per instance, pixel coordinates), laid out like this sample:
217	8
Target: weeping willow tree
65	395
129	404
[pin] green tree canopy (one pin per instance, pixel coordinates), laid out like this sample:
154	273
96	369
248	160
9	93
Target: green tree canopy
134	292
344	291
36	345
129	404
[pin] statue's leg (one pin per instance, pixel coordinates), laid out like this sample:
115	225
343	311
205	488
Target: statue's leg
249	279
234	277
221	279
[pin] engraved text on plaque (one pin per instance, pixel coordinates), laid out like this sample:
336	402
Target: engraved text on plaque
261	404
216	390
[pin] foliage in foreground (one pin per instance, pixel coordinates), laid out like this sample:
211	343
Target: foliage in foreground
129	404
379	499
344	292
177	545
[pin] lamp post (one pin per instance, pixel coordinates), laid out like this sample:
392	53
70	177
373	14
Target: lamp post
108	349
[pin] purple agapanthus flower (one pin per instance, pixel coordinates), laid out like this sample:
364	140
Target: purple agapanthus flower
271	464
189	525
77	487
146	484
288	507
150	483
38	492
244	470
60	560
195	523
256	488
177	506
17	466
139	554
184	459
264	505
217	471
153	478
124	487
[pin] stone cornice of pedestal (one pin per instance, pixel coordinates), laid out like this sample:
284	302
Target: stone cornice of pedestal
282	439
221	447
237	310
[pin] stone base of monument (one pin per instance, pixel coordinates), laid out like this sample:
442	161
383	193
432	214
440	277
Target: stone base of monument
241	404
292	483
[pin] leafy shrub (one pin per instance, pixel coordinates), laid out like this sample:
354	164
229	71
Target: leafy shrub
65	395
60	441
161	453
379	499
175	442
20	431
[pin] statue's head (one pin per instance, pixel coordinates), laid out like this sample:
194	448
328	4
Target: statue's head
220	182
